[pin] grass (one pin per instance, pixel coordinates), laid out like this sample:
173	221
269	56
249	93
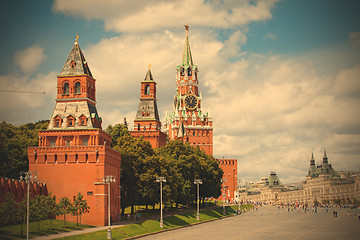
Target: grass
14	231
151	226
129	230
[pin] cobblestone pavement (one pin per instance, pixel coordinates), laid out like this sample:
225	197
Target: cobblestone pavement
269	223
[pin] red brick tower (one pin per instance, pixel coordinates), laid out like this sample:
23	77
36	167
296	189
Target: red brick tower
147	122
188	121
74	154
229	166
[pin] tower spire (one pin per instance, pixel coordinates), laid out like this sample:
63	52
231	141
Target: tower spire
325	159
187	58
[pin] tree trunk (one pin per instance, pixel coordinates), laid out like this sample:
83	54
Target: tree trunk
64	220
122	211
39	225
132	209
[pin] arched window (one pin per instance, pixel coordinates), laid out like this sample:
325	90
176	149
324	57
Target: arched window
66	89
77	88
147	90
189	71
182	72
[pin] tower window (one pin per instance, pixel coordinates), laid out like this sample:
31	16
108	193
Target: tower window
85	142
138	127
182	72
189	71
67	143
77	88
73	64
66	89
147	90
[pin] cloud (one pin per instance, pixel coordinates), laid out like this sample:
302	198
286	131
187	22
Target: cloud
146	16
354	37
29	58
270	111
270	36
20	107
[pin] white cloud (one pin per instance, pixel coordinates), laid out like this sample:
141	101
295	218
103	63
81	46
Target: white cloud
29	58
146	16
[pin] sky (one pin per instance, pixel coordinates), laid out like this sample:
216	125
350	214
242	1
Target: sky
280	78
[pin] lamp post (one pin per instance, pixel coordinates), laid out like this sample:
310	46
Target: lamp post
161	180
238	192
107	179
27	176
224	194
197	182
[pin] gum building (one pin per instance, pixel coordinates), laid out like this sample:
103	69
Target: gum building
323	184
74	153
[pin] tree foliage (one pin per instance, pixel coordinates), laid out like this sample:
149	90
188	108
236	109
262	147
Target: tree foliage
14	142
178	162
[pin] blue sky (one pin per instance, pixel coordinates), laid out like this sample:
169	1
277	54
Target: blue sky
280	78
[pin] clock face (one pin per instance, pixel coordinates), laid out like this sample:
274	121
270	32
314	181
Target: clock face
191	102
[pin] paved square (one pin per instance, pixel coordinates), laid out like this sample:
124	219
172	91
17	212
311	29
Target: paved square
270	222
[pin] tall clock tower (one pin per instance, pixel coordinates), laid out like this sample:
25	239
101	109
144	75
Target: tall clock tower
188	121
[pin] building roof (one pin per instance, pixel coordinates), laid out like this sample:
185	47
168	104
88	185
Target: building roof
147	110
76	63
148	76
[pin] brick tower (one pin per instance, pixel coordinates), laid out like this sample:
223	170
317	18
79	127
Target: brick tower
229	166
147	122
188	122
74	154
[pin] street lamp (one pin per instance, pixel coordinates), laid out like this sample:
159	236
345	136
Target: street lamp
197	182
27	176
161	180
224	195
238	192
107	179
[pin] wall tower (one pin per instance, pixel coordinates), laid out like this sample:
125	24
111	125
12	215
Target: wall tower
147	122
74	154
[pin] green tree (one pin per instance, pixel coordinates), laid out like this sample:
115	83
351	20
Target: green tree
80	207
14	142
9	211
51	208
185	163
64	207
134	151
